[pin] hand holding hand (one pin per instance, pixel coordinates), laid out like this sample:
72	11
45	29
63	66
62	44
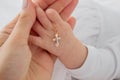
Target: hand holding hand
56	36
14	45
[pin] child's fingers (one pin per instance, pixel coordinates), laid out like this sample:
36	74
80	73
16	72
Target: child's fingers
38	29
43	18
72	22
54	16
36	41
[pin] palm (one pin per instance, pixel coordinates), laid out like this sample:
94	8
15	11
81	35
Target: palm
42	62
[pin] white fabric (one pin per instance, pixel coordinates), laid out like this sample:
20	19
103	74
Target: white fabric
98	27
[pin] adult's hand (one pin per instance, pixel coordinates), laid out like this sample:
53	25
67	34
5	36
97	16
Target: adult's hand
15	54
63	7
32	61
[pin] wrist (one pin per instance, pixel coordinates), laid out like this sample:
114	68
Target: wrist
75	57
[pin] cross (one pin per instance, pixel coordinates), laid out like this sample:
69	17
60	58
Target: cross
57	39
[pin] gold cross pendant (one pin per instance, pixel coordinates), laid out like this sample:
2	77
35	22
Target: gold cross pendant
56	40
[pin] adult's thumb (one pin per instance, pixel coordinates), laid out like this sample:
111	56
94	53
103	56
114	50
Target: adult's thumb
25	22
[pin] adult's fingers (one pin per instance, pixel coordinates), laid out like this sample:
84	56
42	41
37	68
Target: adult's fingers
65	14
65	7
25	22
6	31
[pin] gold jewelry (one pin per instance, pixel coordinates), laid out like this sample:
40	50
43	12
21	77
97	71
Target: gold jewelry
56	38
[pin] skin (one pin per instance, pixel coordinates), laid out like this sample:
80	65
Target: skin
36	63
63	7
71	51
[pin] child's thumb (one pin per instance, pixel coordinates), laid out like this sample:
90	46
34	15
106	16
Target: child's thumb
25	22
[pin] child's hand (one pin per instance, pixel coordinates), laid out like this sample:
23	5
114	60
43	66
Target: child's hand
56	36
47	26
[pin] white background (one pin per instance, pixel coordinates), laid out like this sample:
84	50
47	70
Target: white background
8	10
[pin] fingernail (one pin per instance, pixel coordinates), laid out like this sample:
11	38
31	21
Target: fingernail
25	4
